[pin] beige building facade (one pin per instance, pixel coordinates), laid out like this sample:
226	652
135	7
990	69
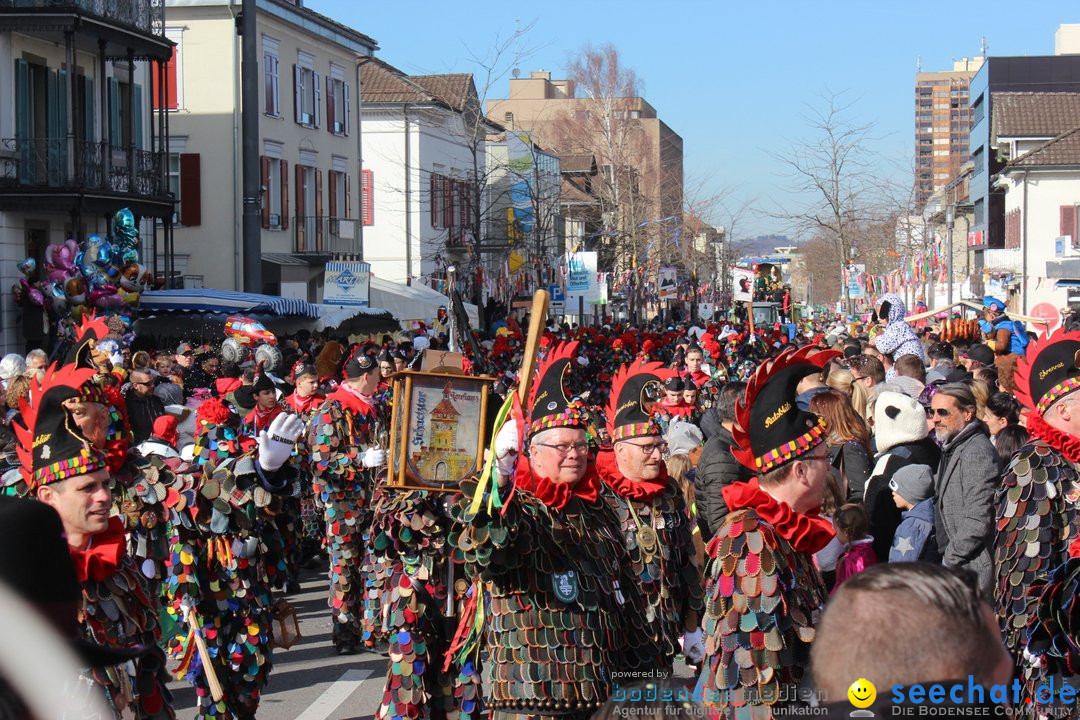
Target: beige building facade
942	125
309	144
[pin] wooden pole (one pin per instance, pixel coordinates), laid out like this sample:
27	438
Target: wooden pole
750	317
537	318
204	655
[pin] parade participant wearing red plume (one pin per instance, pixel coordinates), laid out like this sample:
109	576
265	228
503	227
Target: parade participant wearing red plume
345	436
62	468
652	513
1037	516
563	612
226	557
763	593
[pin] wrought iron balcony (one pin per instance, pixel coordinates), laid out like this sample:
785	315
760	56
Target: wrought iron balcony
61	165
324	235
143	15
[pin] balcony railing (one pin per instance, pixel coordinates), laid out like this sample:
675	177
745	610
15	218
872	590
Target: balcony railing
144	15
324	235
63	164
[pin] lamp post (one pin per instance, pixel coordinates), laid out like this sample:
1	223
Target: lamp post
950	220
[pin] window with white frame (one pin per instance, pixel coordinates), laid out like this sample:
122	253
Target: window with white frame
174	184
307	91
271	92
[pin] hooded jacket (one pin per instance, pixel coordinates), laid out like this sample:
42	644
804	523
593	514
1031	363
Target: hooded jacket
885	517
898	338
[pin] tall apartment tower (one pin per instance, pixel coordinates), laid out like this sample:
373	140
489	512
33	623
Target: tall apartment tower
942	124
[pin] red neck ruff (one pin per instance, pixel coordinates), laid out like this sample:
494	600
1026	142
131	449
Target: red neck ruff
556	495
260	419
304	404
351	400
99	561
607	467
1068	445
807	533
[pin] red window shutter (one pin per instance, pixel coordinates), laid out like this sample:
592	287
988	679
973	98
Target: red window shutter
264	169
284	194
318	210
170	82
301	210
348	195
333	194
190	189
367	197
1068	221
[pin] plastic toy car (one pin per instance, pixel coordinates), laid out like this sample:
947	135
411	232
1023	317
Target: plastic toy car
244	335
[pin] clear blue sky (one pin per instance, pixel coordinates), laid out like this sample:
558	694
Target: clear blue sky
734	79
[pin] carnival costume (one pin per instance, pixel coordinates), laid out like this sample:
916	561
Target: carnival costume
763	593
652	516
119	606
554	593
1037	519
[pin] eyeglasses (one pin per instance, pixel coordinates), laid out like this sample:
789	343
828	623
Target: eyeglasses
143	384
808	458
563	449
650	448
940	412
856	378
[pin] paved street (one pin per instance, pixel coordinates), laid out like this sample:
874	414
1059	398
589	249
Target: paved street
309	681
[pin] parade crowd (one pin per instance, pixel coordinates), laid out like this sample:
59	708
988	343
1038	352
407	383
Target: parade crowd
787	511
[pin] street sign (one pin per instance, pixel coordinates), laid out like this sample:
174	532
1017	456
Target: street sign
557	295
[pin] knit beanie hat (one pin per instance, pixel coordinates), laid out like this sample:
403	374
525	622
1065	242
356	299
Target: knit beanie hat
914	483
898	419
683	438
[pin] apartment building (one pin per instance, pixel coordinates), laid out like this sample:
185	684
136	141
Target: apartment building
309	143
942	123
78	137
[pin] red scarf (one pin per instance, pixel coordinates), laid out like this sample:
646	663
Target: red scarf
607	467
1068	445
700	378
99	561
351	400
260	419
304	404
556	495
807	532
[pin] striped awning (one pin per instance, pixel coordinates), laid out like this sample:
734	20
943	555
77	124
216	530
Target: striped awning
207	300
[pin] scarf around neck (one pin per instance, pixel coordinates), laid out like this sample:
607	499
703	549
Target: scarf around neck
607	467
806	532
557	495
99	561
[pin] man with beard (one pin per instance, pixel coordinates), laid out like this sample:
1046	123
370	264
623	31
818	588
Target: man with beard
63	469
763	592
964	485
652	515
564	613
343	437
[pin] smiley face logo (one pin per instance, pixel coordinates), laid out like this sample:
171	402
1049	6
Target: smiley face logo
862	693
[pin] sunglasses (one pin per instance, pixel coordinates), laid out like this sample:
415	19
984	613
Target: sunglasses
940	412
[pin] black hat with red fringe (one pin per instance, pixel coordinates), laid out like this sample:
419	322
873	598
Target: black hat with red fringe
1049	370
549	407
770	429
629	411
51	448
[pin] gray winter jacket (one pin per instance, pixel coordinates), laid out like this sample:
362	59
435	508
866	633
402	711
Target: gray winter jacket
967	476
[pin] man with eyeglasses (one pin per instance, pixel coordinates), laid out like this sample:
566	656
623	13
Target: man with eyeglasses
143	406
762	589
565	618
655	524
964	485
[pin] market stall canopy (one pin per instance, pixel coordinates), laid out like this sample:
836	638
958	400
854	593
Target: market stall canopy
413	302
229	302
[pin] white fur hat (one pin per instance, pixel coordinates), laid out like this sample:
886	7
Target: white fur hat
898	419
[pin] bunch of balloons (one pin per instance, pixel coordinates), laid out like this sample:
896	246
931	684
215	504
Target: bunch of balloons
101	273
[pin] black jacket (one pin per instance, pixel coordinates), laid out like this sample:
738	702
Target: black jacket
885	517
851	460
142	412
716	469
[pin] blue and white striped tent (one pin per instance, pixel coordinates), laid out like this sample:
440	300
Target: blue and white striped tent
228	302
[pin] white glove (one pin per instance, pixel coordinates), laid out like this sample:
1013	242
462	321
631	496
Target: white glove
276	443
583	361
693	647
506	446
374	457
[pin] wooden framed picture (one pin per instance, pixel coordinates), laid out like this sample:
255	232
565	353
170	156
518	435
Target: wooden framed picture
437	436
